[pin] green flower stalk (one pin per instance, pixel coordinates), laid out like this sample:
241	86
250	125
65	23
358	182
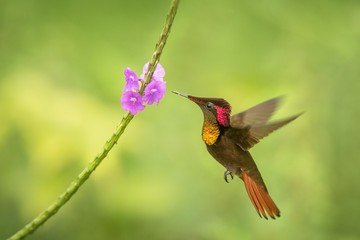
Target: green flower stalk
85	174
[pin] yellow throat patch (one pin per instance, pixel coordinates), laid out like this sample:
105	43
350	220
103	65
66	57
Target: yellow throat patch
210	133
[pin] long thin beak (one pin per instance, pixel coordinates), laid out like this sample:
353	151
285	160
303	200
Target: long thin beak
178	93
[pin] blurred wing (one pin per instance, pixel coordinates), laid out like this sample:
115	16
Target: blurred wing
249	136
258	114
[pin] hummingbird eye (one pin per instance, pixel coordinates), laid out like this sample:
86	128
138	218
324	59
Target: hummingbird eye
209	105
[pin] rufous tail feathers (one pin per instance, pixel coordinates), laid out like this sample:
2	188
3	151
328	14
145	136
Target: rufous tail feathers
260	198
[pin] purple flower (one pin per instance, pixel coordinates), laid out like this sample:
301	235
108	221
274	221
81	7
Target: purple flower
154	92
132	101
132	80
158	75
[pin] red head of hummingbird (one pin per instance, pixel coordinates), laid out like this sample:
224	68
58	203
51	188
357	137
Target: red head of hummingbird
229	138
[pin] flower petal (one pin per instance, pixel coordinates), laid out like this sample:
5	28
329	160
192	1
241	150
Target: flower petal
132	80
154	92
130	86
130	75
132	101
159	72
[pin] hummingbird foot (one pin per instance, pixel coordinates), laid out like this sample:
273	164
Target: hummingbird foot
226	173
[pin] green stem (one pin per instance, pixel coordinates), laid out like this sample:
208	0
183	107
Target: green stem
161	43
85	174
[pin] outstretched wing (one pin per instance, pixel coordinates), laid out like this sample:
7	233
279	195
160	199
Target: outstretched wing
250	126
258	114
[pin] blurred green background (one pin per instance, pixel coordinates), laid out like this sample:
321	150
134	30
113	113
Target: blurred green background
61	77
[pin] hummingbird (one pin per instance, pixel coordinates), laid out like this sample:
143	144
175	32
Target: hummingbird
229	138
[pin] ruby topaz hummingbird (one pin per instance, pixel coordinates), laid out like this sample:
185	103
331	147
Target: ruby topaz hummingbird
229	138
